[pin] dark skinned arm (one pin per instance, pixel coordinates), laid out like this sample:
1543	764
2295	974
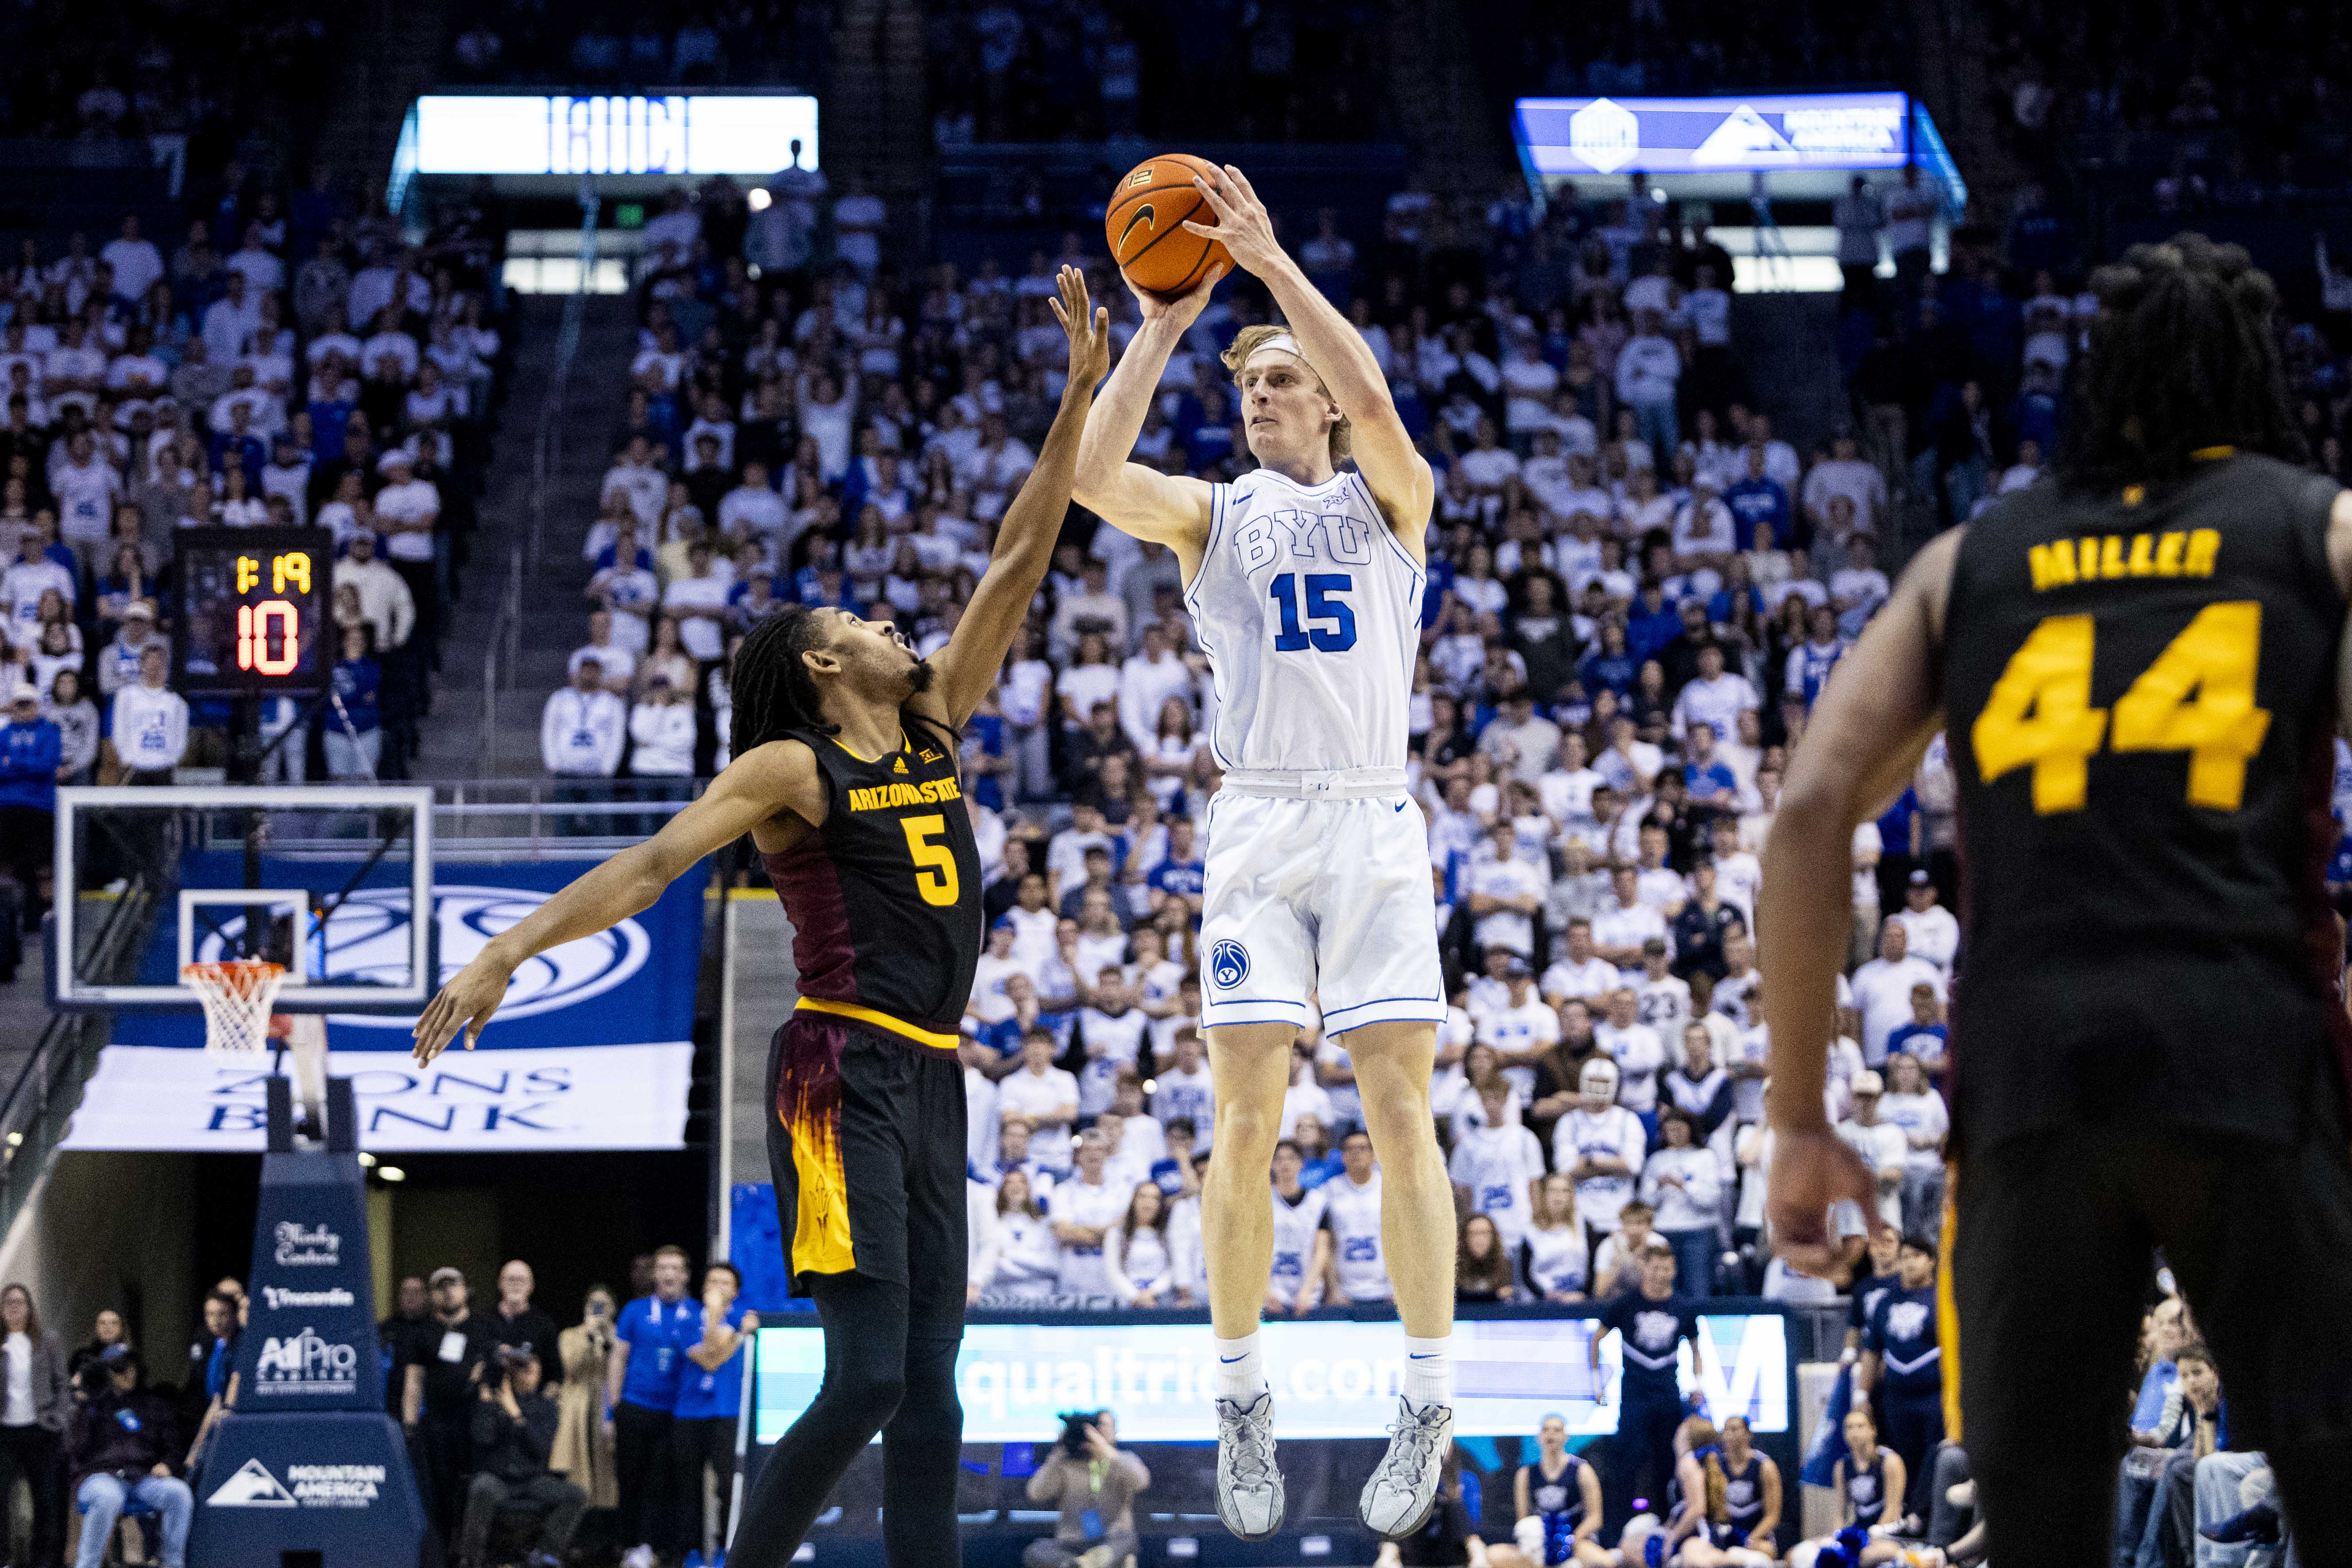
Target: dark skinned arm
1868	733
780	776
969	665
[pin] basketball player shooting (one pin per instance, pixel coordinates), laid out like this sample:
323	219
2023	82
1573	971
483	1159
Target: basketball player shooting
2138	667
1305	583
846	777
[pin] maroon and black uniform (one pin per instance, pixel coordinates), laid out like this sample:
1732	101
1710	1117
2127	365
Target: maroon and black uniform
2149	1039
868	1139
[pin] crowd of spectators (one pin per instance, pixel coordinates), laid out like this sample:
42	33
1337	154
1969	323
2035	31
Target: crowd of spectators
638	47
1690	47
1272	70
532	1441
527	1438
2239	115
207	85
344	385
1637	589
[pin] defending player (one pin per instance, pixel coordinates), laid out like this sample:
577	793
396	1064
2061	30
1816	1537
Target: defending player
2136	668
845	776
1305	581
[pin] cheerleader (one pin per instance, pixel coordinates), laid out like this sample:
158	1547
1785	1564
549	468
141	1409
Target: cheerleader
1704	1534
1558	1503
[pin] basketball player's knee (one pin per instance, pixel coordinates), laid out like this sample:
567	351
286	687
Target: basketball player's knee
929	1411
1250	1131
1400	1122
875	1393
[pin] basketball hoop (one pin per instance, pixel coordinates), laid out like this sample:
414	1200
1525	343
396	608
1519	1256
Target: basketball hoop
237	996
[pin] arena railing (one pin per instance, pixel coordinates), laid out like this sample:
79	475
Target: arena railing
41	1100
534	820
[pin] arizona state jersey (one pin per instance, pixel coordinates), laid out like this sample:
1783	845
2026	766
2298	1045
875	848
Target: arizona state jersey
2140	699
885	896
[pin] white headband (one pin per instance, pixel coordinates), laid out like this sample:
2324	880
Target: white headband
1287	344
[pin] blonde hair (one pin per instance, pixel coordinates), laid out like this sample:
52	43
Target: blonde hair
1252	339
1701	1435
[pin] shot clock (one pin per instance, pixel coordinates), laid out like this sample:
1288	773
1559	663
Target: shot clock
256	616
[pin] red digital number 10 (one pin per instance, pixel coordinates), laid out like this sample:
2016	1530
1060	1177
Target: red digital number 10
253	636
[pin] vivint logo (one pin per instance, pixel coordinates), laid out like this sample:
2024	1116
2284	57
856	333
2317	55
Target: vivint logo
312	1247
278	1300
305	1364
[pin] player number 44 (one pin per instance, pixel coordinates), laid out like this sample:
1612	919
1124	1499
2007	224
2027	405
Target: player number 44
935	867
2197	697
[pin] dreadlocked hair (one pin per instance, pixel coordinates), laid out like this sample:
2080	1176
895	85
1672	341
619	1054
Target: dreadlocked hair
2182	357
773	694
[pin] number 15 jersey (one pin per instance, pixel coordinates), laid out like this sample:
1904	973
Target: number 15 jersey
1310	610
2140	699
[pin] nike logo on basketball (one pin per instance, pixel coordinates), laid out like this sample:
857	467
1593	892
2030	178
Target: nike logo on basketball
1143	215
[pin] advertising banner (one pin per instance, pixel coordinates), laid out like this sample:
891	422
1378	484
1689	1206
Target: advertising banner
592	1048
678	133
1332	1379
1766	133
310	1340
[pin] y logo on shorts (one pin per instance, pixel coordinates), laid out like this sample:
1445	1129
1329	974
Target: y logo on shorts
1228	964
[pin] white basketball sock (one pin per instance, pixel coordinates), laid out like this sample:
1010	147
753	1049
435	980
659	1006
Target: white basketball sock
1241	1369
1429	1370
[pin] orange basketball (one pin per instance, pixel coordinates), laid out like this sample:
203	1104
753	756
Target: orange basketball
1145	224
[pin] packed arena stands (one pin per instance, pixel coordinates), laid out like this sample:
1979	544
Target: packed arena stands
1638	582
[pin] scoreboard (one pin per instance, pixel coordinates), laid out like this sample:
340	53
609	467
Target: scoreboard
256	612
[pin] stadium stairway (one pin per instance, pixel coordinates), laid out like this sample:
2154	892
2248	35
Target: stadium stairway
1953	46
554	617
877	113
1440	101
395	55
1787	344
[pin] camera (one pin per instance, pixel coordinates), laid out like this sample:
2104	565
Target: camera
498	1367
1077	1425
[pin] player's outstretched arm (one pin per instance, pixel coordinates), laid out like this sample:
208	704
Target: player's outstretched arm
1131	498
779	776
1397	474
968	665
1867	734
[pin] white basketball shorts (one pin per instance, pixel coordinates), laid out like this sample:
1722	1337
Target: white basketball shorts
1328	897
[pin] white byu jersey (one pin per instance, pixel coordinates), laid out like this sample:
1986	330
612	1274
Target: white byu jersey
1352	1214
1309	609
1295	1225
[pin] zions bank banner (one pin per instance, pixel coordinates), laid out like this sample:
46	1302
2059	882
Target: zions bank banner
593	1048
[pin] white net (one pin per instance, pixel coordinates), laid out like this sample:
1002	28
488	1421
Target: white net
237	998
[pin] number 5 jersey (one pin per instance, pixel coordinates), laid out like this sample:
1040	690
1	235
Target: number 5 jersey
885	896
